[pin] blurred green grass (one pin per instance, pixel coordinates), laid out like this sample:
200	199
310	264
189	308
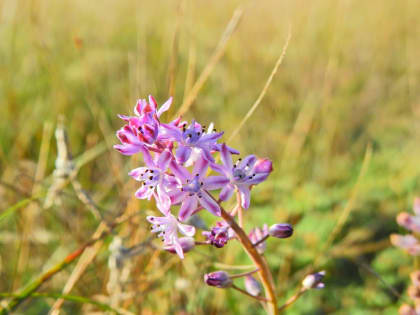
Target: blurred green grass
350	78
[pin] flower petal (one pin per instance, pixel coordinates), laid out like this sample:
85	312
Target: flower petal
147	157
200	167
210	204
127	149
187	230
248	160
245	196
163	201
226	157
187	208
179	171
137	172
182	154
176	196
164	160
144	192
226	192
215	182
164	107
178	249
210	137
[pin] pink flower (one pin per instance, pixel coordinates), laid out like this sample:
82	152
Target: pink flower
241	175
219	235
193	137
142	129
411	222
168	227
407	242
156	182
192	188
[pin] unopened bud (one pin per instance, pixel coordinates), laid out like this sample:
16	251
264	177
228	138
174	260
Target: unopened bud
281	230
252	286
218	279
263	166
187	244
313	281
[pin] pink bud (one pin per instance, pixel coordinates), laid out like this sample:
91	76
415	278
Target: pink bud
187	244
252	286
263	166
218	279
281	230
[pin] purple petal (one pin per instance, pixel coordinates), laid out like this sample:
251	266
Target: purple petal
215	182
164	107
144	192
182	154
245	196
248	160
210	204
226	192
219	168
127	149
170	132
156	220
187	208
179	171
124	117
226	157
152	102
176	196
258	178
200	167
210	137
187	230
207	154
164	160
147	157
137	172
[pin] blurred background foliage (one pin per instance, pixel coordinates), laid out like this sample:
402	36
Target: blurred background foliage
346	92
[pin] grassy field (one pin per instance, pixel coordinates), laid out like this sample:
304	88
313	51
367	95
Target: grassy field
341	122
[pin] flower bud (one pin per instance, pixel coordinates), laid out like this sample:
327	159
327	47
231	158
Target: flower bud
218	279
252	286
263	166
258	234
281	230
187	244
313	281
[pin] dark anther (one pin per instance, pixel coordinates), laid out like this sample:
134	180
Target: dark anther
151	177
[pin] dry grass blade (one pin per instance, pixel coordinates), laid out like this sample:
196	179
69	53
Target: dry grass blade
218	53
266	86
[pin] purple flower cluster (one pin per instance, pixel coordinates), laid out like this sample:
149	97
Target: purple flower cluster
179	159
409	242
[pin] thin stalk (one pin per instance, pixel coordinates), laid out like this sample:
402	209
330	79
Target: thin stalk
263	270
244	274
261	240
259	298
293	299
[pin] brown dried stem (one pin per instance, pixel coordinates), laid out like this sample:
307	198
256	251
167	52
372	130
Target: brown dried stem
263	270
